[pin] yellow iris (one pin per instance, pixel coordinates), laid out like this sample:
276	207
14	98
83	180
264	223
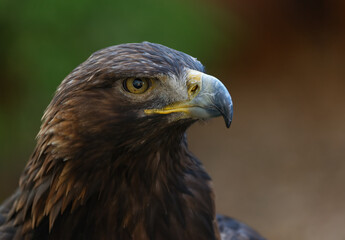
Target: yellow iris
137	85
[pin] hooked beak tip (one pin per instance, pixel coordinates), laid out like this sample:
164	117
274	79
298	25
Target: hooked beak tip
227	114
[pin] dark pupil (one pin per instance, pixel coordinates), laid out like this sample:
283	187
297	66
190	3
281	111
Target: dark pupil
138	83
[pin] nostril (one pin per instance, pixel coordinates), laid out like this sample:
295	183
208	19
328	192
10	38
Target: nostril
193	90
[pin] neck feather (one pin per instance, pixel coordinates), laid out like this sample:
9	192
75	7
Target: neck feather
156	191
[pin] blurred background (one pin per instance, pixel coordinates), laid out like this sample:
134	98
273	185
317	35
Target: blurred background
280	167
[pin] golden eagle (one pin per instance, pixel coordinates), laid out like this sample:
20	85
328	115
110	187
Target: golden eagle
112	161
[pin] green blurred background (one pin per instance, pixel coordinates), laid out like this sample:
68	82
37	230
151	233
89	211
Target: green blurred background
280	167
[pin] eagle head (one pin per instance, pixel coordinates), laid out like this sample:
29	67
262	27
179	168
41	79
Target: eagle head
146	87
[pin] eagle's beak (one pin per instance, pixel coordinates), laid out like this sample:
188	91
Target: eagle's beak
207	98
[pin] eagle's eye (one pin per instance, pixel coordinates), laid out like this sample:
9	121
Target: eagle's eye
137	85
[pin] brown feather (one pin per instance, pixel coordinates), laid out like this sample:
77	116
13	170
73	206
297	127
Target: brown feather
101	169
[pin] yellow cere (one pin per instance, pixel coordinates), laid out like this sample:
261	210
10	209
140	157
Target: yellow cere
194	83
194	75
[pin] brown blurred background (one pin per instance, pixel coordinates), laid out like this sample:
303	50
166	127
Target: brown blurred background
280	167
